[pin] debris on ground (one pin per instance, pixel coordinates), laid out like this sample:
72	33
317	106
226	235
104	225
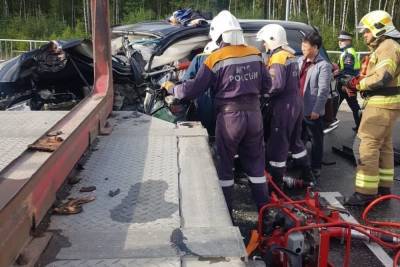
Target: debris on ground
79	167
73	180
113	193
73	205
87	188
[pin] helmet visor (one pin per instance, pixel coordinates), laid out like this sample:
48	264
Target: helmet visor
361	28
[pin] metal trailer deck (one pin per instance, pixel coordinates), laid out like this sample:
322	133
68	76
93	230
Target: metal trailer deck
20	129
170	210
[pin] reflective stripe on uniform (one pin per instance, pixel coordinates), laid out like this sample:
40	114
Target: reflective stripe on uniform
386	175
226	183
386	171
366	184
389	63
277	164
235	61
386	178
383	100
367	181
257	180
367	178
300	155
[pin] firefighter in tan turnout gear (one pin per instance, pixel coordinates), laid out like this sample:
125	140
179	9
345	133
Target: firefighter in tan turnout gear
380	87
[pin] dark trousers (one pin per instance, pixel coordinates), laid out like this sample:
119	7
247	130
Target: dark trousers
285	132
353	104
205	111
314	130
241	133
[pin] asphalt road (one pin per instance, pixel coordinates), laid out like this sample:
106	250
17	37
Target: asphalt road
334	178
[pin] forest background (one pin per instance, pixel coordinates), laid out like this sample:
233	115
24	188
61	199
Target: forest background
68	19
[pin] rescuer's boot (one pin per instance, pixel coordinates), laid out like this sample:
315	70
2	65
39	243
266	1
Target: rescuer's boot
384	191
358	199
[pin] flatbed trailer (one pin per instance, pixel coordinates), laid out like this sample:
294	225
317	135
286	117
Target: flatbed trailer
170	210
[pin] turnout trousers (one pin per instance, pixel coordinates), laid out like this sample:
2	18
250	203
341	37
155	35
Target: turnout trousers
373	149
241	133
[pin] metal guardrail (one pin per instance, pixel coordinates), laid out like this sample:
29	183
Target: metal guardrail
10	48
334	55
339	52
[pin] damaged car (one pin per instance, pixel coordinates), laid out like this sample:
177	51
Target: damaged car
167	49
54	77
60	74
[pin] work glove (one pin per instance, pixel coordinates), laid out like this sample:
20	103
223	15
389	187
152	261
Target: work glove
351	86
335	70
350	91
168	86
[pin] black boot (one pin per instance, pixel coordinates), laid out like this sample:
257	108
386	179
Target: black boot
277	181
308	177
358	199
383	191
316	173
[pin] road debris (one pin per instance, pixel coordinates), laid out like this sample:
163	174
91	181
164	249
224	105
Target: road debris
113	193
87	188
73	205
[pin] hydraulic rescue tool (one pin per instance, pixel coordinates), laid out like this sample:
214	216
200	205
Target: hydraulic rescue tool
298	232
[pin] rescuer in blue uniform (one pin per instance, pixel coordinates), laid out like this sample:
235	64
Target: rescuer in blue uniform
238	77
286	105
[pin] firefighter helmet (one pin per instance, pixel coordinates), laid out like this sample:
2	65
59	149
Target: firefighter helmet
380	23
226	25
210	47
274	36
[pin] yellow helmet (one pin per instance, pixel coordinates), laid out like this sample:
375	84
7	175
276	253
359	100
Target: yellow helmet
380	23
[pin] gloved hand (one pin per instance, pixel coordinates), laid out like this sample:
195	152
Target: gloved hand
335	70
354	82
351	86
167	85
350	91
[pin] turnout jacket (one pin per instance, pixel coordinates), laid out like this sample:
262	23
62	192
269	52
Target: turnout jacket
382	81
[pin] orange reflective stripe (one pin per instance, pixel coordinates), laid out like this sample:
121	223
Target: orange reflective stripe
231	51
279	58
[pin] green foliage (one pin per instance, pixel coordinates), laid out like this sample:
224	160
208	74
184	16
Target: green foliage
60	19
134	16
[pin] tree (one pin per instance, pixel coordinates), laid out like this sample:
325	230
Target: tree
356	18
308	13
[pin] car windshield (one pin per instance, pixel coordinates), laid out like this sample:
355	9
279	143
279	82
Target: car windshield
142	42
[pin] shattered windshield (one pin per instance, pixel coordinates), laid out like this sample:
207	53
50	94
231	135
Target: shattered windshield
143	42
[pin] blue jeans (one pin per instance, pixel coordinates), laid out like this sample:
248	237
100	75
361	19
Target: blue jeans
314	130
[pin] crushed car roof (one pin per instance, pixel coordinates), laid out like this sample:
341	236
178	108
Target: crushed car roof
163	28
168	33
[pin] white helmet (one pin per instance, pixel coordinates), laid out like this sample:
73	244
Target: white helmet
228	26
210	47
274	36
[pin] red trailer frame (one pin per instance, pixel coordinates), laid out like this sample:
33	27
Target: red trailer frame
28	186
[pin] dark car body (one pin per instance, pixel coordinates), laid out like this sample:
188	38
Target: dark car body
164	35
142	54
162	43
